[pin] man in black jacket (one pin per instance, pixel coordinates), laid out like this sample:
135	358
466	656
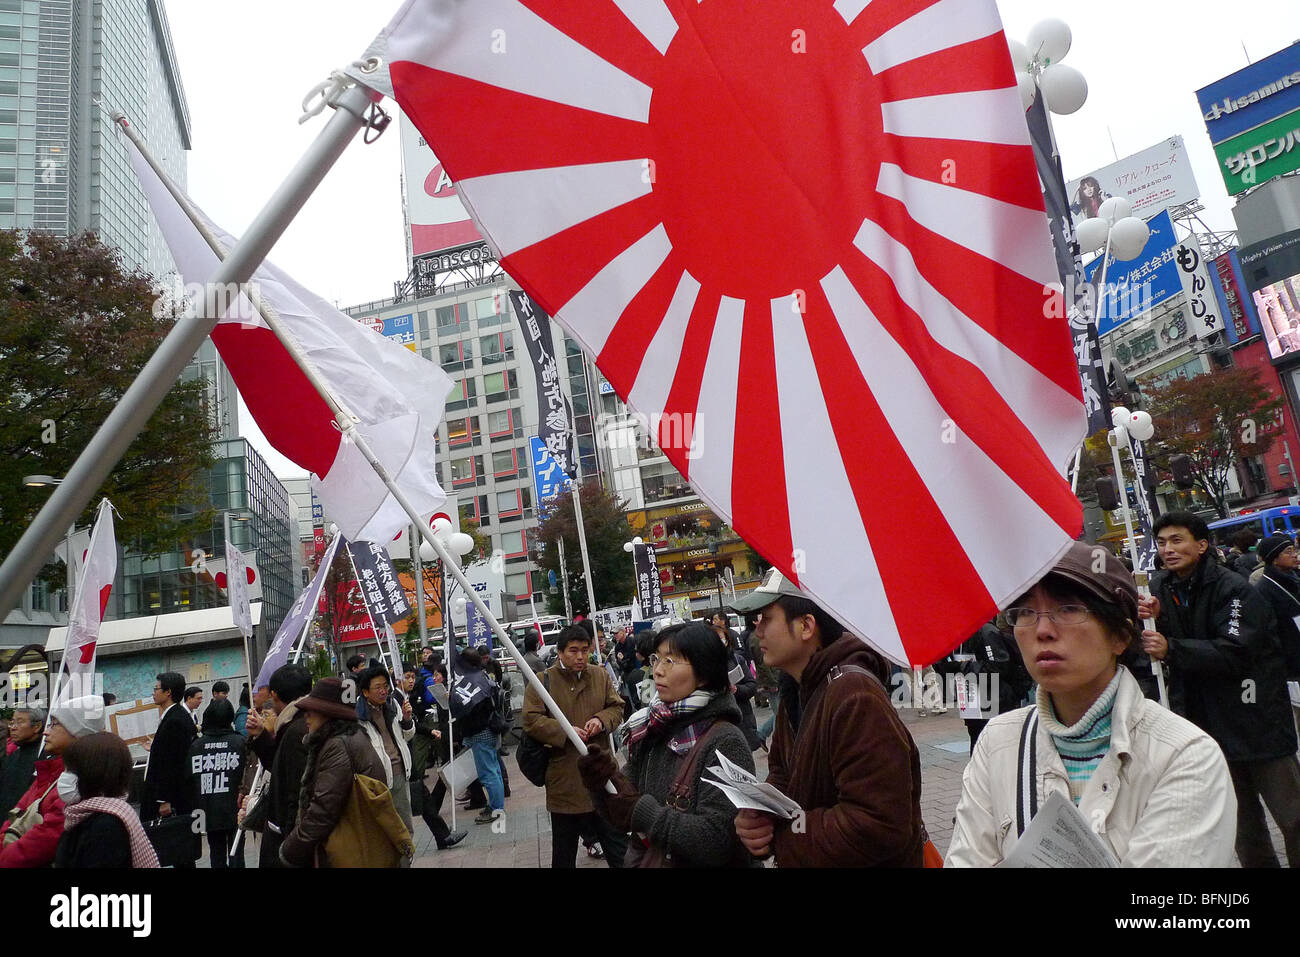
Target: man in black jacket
1226	674
283	755
166	790
18	767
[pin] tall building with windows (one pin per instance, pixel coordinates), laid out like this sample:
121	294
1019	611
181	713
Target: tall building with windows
470	330
64	64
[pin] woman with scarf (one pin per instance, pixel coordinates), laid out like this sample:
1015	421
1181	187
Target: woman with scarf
678	819
101	829
337	750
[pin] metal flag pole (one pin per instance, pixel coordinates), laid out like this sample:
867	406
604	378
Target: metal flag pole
564	580
1113	439
582	545
164	368
448	643
347	425
417	565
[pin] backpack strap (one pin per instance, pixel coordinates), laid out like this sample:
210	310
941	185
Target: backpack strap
1027	773
838	670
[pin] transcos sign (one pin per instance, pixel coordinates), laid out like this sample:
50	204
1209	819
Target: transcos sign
436	218
1252	96
1272	273
1154	179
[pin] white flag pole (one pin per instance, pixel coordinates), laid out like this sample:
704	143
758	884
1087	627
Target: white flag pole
133	410
347	424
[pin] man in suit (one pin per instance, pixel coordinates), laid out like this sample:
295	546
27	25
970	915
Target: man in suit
194	701
167	787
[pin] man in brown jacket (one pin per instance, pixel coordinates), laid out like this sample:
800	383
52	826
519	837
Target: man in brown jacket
839	748
592	705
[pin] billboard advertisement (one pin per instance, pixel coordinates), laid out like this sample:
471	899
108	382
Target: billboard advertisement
1154	179
1258	155
1135	285
1272	273
400	329
1252	96
435	217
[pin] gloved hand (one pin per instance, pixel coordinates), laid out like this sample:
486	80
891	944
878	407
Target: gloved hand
598	766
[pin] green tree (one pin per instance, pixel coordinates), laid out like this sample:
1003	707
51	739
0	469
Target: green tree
1215	420
605	518
75	329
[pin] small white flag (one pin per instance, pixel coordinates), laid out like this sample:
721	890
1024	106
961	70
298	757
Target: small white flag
237	590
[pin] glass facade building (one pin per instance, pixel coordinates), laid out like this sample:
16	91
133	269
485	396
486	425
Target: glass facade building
263	526
64	65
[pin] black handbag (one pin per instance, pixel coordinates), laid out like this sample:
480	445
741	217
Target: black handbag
174	839
532	755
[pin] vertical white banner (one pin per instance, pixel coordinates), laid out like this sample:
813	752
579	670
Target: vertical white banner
237	590
1203	315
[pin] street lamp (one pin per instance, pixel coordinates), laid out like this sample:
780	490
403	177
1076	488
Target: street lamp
47	481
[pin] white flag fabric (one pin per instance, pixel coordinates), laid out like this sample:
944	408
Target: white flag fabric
397	396
94	585
237	590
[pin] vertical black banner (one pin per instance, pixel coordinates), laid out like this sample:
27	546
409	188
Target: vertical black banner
380	587
553	414
1069	265
648	592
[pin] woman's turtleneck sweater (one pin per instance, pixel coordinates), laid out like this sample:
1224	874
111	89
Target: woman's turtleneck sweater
1083	744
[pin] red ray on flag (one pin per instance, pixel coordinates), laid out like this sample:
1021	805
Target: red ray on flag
805	238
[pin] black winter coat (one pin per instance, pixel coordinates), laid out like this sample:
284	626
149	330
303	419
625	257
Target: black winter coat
98	841
216	769
994	654
168	776
1281	589
1226	673
286	757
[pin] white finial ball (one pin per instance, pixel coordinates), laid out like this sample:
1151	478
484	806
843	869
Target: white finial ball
1028	89
1065	88
1091	234
460	543
1049	41
441	528
427	553
1114	209
1140	426
1119	417
1128	237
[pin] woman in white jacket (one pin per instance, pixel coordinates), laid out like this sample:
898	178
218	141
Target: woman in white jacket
1153	786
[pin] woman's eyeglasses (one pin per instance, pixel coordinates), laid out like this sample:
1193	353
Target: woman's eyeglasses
656	661
1062	615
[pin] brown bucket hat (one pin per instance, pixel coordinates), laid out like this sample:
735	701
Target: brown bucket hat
327	698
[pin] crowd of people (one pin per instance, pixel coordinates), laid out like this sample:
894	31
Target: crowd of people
334	772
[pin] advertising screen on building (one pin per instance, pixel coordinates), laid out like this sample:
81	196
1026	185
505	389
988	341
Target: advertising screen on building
436	219
1154	179
400	329
1271	270
1253	118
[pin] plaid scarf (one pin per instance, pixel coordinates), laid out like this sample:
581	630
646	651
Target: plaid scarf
142	852
657	715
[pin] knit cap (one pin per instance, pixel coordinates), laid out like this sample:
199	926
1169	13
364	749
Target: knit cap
81	716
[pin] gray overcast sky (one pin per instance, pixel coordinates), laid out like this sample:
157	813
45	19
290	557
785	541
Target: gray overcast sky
246	66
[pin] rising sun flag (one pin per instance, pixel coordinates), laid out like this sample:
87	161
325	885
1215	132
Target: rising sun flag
807	238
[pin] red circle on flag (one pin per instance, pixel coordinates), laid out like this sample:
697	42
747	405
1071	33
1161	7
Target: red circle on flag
748	197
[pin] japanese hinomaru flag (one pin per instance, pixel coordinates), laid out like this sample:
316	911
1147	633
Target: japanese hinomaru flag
396	395
94	585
